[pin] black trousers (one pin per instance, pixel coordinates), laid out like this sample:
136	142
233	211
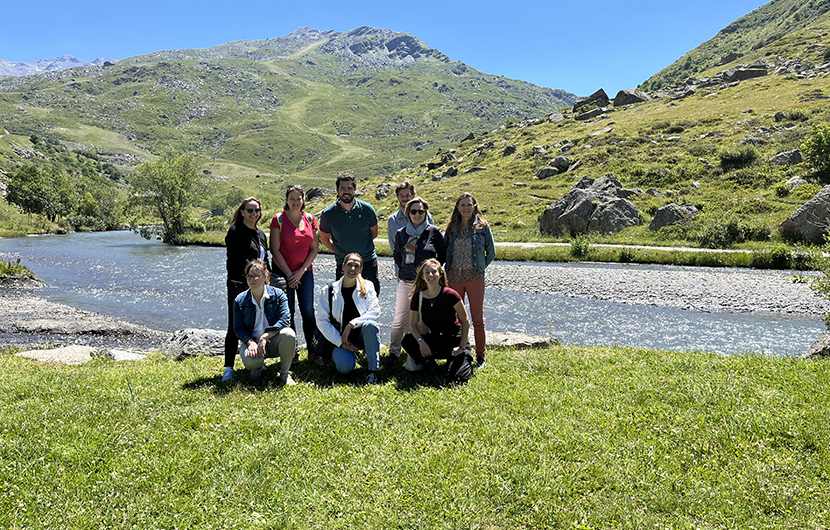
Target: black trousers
459	367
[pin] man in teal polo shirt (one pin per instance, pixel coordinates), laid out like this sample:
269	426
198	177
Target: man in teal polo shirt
351	225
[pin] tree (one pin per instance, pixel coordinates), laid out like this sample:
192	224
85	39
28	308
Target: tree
43	191
168	186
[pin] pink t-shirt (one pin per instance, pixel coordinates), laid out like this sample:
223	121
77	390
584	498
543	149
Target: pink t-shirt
295	243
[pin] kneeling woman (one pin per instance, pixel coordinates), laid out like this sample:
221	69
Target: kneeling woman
347	317
262	323
438	324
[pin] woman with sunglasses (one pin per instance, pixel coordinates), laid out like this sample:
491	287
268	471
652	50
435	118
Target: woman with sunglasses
416	242
244	243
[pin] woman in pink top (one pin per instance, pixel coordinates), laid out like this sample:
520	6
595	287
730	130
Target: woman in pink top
294	246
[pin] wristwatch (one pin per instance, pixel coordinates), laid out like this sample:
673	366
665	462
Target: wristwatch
420	339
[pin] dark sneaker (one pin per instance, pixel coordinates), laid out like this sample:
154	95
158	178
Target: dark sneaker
393	358
480	361
372	379
316	359
296	360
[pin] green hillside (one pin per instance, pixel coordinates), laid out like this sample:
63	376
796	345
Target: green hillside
768	32
310	104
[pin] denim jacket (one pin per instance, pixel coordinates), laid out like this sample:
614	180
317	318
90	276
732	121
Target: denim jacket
275	309
484	247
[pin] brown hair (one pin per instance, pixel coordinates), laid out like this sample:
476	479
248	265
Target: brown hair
259	264
406	184
237	215
345	177
360	281
421	284
456	221
289	189
416	200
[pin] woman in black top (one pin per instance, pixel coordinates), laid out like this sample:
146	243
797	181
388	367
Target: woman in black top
244	243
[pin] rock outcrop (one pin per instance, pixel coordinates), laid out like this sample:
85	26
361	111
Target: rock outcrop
192	342
630	97
672	214
591	205
810	222
819	349
598	98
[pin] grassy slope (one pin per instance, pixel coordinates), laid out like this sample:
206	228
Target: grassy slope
559	438
765	33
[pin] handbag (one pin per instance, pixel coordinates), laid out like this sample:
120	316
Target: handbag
319	344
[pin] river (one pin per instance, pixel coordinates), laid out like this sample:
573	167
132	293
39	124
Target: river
169	288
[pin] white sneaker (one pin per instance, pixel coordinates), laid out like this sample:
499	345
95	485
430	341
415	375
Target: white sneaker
287	380
228	375
256	374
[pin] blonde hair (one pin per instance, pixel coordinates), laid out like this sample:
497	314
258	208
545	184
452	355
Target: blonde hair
360	281
421	284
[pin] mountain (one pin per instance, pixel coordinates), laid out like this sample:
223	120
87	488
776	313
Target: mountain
740	41
311	103
47	65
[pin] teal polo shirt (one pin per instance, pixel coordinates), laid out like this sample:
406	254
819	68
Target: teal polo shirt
350	230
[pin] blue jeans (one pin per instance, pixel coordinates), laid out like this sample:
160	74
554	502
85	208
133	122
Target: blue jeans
367	338
305	294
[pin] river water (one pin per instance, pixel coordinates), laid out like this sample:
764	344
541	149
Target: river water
169	288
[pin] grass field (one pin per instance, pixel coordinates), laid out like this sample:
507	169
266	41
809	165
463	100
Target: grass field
564	437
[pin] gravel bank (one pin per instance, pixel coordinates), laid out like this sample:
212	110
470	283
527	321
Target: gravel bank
27	319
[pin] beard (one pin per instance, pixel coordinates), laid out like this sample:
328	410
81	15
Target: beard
347	198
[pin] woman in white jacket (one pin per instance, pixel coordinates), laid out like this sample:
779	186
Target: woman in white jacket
350	322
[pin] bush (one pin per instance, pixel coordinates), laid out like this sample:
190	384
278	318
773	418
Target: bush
737	158
782	189
627	255
580	246
718	234
816	149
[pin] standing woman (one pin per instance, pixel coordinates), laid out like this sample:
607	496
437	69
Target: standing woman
294	246
439	324
470	249
417	241
244	243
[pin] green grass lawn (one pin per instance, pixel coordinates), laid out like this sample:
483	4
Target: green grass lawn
565	437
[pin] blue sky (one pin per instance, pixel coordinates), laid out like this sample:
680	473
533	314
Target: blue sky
575	46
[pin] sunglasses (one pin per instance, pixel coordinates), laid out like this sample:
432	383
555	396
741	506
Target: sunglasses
417	212
253	210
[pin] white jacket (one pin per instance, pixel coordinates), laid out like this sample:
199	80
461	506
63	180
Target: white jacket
368	308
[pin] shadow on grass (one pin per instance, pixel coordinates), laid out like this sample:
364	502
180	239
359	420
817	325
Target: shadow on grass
322	377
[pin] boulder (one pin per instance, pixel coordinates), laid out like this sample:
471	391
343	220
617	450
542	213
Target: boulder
509	150
795	182
510	339
672	214
614	215
539	150
593	113
811	221
193	342
598	98
788	158
474	169
742	74
382	191
630	97
591	204
450	172
317	193
561	163
819	349
546	172
67	355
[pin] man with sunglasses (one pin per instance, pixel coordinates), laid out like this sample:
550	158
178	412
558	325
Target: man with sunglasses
351	225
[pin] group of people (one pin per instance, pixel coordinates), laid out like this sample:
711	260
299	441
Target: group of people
435	271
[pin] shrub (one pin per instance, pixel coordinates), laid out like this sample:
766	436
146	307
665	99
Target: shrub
722	234
580	246
627	255
737	158
782	189
816	149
